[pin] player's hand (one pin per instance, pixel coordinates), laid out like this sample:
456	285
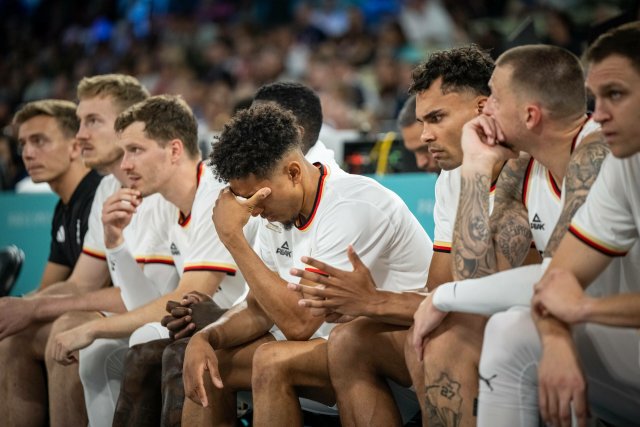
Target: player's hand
199	360
561	384
231	213
426	318
15	315
66	344
484	143
117	212
349	293
195	311
559	294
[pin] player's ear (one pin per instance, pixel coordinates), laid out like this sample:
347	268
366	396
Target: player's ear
294	171
533	116
481	101
177	149
75	151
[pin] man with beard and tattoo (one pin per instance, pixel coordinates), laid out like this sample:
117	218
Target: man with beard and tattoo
542	116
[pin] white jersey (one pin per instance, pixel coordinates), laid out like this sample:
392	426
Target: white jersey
195	245
319	153
609	222
147	245
542	196
93	244
446	207
352	209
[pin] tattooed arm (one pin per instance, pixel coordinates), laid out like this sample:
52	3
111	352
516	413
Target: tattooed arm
582	171
482	244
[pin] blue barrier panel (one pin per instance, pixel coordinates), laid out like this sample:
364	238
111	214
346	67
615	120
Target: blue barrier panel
418	190
25	220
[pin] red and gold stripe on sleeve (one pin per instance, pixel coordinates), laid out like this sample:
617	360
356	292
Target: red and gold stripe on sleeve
439	246
94	253
595	243
230	269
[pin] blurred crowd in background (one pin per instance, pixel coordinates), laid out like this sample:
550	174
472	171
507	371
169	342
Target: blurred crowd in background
357	54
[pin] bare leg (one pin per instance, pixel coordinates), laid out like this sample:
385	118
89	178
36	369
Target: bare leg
23	385
140	400
284	371
417	372
66	396
362	355
235	366
172	384
451	359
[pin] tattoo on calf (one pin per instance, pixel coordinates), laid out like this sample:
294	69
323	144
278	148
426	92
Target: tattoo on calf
443	402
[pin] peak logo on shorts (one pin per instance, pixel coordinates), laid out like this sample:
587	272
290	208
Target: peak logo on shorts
284	250
174	250
537	224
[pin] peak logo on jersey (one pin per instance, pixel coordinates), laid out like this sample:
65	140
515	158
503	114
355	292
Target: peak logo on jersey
174	250
284	250
537	224
60	236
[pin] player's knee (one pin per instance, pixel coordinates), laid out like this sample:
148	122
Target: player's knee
347	343
269	366
173	355
92	362
137	366
64	323
172	361
505	338
11	346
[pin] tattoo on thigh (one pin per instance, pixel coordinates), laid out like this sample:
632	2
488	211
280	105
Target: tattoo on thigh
443	402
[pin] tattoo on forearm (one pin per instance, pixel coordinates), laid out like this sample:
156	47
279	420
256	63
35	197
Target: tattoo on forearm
582	171
443	402
472	250
513	236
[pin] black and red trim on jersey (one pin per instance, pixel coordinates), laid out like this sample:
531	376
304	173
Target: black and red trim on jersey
184	220
324	171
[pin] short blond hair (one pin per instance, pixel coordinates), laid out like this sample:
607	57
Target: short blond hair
125	90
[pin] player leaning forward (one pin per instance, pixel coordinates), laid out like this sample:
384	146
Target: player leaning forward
311	209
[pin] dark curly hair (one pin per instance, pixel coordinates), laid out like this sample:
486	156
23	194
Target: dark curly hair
253	142
462	68
302	102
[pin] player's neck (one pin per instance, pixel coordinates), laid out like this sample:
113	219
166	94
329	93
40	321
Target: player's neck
114	169
311	178
65	185
181	188
555	147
